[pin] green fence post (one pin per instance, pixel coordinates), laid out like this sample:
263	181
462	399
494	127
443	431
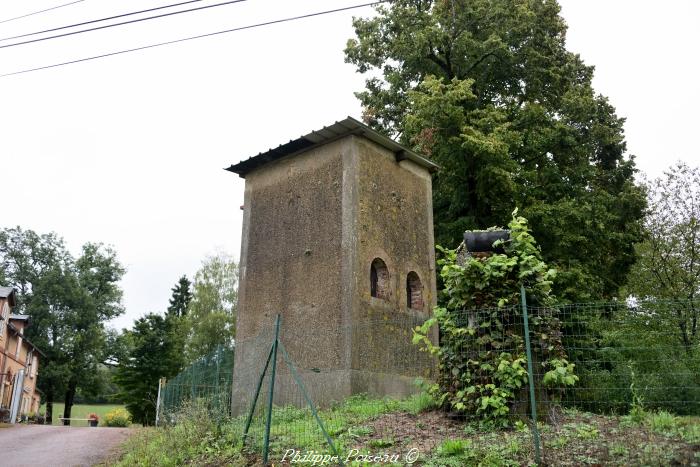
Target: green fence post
268	423
249	419
531	377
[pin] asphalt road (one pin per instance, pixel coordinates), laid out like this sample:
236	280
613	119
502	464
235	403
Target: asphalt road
45	445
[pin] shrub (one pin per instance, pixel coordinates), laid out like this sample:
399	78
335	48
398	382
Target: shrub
481	352
118	417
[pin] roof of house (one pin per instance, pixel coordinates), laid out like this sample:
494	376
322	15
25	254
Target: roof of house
24	339
9	293
348	126
19	317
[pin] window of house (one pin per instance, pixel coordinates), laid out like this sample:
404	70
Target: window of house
379	279
414	291
35	366
30	363
5	314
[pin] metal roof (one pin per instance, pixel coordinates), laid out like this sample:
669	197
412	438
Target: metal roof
348	126
19	317
9	294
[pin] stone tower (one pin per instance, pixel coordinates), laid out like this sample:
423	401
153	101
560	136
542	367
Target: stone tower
338	239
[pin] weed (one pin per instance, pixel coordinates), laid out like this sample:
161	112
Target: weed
584	431
619	449
381	443
520	425
560	442
662	422
454	447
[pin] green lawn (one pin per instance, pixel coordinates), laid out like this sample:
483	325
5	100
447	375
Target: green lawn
80	411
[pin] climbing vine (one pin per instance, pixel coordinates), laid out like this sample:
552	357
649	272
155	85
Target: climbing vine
481	353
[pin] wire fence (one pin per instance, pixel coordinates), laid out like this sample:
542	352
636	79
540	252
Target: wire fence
206	383
367	392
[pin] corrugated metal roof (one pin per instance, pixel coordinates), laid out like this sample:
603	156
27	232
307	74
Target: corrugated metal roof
5	291
348	126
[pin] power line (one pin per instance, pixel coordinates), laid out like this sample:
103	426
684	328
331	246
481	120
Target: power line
99	20
41	11
267	23
147	18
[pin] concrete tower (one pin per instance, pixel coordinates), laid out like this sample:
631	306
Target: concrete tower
338	239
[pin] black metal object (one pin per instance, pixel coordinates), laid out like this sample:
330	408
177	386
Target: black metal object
481	241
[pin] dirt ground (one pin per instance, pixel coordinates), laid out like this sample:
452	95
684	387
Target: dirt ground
44	445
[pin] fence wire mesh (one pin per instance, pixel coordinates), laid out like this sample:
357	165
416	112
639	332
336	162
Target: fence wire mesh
635	362
205	384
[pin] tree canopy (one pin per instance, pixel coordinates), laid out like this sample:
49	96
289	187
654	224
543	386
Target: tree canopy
487	89
152	354
69	301
669	257
211	317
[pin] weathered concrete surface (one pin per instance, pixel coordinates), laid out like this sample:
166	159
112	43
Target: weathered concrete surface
312	225
33	445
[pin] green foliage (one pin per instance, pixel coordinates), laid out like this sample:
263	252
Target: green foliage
487	89
69	300
481	352
152	354
632	354
117	418
211	315
669	257
359	423
561	375
181	297
454	447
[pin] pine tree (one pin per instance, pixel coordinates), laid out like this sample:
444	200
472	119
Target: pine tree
181	297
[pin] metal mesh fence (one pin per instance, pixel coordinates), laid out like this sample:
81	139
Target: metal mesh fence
369	402
206	384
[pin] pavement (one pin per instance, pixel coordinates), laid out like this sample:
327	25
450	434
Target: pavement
46	445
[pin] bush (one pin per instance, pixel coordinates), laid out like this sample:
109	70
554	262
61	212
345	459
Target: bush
118	417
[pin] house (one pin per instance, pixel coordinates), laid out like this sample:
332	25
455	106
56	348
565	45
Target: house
19	362
337	239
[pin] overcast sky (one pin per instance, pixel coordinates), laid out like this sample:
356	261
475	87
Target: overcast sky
129	150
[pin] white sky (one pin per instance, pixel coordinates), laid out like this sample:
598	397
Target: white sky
129	150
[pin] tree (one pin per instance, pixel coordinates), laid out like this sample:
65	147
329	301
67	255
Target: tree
487	89
68	300
152	354
211	318
181	297
669	257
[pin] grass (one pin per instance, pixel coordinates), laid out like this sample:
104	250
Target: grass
80	411
384	426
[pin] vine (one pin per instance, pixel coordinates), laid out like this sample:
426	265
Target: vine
481	354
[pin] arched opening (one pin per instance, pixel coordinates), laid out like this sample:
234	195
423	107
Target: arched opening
379	279
414	291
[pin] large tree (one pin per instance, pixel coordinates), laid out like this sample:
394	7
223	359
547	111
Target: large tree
211	317
487	89
669	257
68	300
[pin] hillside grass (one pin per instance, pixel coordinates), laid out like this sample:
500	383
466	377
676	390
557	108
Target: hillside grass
80	411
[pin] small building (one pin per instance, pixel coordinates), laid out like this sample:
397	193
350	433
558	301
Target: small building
19	361
338	239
